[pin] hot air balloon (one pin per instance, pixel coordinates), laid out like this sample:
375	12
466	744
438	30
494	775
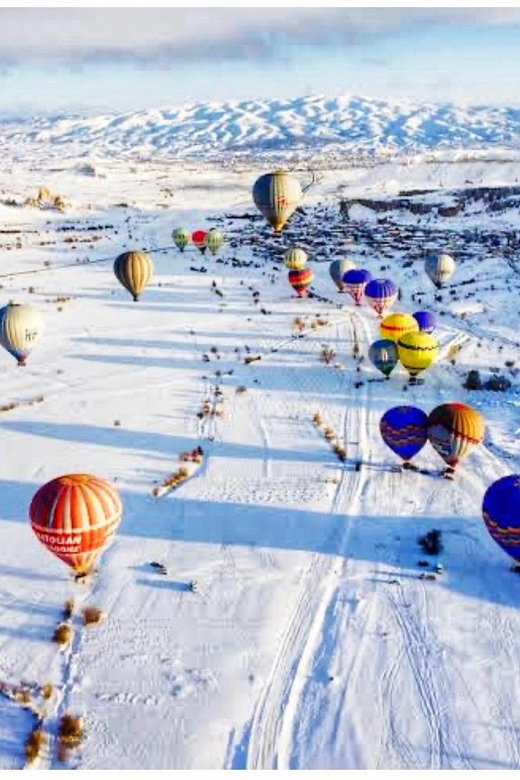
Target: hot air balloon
301	281
380	294
453	430
383	354
214	240
355	282
394	325
198	238
295	258
75	516
501	513
426	320
417	351
277	195
20	329
338	269
181	238
404	430
439	268
134	270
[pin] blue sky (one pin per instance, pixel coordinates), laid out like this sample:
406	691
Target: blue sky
90	60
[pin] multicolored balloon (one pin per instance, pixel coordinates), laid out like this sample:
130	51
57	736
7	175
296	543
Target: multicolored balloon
337	270
381	294
417	351
74	517
454	429
501	513
295	258
20	329
439	268
181	238
383	354
277	195
134	271
198	238
355	282
426	320
404	430
301	281
213	240
395	325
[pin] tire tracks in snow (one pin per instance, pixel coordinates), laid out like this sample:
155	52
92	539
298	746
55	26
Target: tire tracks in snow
278	703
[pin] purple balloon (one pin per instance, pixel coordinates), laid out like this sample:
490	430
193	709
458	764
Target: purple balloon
426	320
501	512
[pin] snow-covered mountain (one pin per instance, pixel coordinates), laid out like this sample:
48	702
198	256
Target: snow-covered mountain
353	125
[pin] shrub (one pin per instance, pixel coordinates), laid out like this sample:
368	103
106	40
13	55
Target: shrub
47	690
91	616
68	609
473	381
70	730
34	744
62	634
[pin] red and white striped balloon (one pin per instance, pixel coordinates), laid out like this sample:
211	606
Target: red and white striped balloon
75	516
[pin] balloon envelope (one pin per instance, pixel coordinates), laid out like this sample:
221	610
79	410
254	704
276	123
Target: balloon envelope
403	429
198	238
295	258
20	329
395	325
439	268
380	294
301	281
426	320
181	238
338	269
454	429
383	354
214	240
75	516
355	282
277	195
134	271
501	513
417	351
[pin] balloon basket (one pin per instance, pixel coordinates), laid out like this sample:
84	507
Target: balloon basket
515	568
449	473
413	381
409	466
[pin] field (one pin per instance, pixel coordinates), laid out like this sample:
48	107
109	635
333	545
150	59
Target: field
310	640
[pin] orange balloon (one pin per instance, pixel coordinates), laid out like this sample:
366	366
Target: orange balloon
75	516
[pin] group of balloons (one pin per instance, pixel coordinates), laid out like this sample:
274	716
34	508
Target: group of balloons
453	429
406	338
76	515
212	239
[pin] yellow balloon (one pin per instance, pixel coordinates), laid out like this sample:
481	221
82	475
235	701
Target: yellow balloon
295	259
393	326
417	351
134	270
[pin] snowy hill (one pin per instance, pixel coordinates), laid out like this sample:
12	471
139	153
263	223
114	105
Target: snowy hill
353	125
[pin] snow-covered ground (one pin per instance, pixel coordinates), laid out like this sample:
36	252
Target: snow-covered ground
312	642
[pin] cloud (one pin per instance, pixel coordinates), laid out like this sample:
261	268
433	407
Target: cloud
86	35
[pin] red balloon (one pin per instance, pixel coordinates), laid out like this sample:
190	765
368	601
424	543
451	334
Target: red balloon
199	239
75	516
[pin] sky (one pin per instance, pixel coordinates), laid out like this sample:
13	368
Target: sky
89	60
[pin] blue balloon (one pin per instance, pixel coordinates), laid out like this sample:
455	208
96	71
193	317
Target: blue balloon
501	513
426	320
404	430
357	276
